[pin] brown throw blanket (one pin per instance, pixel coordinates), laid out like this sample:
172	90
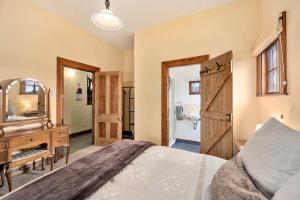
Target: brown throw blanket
231	182
84	176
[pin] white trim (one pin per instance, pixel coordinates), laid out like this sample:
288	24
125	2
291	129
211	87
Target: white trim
260	48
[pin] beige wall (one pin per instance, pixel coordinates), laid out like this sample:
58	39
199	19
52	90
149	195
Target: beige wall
31	39
128	75
289	106
230	27
77	114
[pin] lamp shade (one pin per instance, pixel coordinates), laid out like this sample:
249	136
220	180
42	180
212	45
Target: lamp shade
258	126
106	20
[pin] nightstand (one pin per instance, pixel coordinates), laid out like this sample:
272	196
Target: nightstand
238	146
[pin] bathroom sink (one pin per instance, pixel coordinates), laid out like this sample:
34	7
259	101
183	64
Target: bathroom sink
193	116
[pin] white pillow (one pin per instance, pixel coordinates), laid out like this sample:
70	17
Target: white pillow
290	190
272	156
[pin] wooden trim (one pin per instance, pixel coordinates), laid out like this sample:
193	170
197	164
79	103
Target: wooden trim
81	133
283	44
164	90
266	43
61	64
77	65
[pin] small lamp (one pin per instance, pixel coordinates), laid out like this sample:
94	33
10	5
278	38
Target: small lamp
258	126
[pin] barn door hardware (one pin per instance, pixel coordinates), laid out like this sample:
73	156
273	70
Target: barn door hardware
228	117
204	71
219	66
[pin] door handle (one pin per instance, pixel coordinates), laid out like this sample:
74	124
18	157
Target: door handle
229	117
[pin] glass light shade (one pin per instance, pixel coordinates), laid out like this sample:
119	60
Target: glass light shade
106	20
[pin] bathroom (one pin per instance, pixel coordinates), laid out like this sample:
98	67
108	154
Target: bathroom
184	108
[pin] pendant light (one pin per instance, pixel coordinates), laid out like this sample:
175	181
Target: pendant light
106	20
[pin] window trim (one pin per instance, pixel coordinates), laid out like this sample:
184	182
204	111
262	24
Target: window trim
262	65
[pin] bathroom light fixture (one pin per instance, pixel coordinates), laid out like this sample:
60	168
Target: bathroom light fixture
70	73
106	20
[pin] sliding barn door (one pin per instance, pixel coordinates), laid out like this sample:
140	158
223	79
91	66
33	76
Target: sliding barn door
108	107
216	107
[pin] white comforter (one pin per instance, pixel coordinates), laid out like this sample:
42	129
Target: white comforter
161	173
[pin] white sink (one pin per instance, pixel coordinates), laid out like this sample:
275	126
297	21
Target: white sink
193	116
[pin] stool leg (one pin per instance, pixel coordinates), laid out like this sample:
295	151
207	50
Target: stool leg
51	163
8	177
33	165
67	156
43	163
2	178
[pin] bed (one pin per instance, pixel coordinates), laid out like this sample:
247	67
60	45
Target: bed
156	173
164	174
268	167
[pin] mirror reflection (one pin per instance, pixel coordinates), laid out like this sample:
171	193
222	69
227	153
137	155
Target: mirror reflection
25	99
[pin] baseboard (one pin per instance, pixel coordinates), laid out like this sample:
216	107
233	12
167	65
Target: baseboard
81	133
188	141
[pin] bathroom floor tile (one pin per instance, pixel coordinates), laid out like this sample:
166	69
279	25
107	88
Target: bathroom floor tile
186	146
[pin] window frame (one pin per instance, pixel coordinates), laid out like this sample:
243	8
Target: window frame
262	65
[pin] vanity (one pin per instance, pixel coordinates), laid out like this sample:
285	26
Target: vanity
27	133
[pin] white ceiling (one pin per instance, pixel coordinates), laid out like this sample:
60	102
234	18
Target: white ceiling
136	14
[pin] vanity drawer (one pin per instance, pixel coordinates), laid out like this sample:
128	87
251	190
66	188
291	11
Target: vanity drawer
62	132
57	142
3	155
2	145
29	141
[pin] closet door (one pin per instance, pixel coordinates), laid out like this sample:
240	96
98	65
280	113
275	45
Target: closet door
108	107
216	107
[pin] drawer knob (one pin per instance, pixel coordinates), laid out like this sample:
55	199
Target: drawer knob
31	139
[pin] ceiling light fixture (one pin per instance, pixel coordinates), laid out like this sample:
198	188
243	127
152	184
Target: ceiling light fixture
106	20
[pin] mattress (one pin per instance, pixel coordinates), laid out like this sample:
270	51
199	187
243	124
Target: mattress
162	173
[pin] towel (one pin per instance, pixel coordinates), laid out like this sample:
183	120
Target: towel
179	113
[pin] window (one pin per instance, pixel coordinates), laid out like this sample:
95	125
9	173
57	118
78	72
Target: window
271	65
29	87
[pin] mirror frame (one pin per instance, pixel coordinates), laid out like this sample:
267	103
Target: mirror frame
4	122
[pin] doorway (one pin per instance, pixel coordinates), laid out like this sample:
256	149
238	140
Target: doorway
75	94
167	138
216	103
184	108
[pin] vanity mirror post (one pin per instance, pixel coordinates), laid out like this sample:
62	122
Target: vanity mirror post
27	132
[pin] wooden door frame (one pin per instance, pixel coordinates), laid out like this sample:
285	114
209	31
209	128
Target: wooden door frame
165	66
61	64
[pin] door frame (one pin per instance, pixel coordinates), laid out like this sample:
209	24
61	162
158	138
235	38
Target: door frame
61	64
165	67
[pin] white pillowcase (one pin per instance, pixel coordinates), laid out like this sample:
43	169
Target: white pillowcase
290	190
272	156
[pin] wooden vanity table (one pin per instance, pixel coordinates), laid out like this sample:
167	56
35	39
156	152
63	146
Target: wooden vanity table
39	138
33	144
